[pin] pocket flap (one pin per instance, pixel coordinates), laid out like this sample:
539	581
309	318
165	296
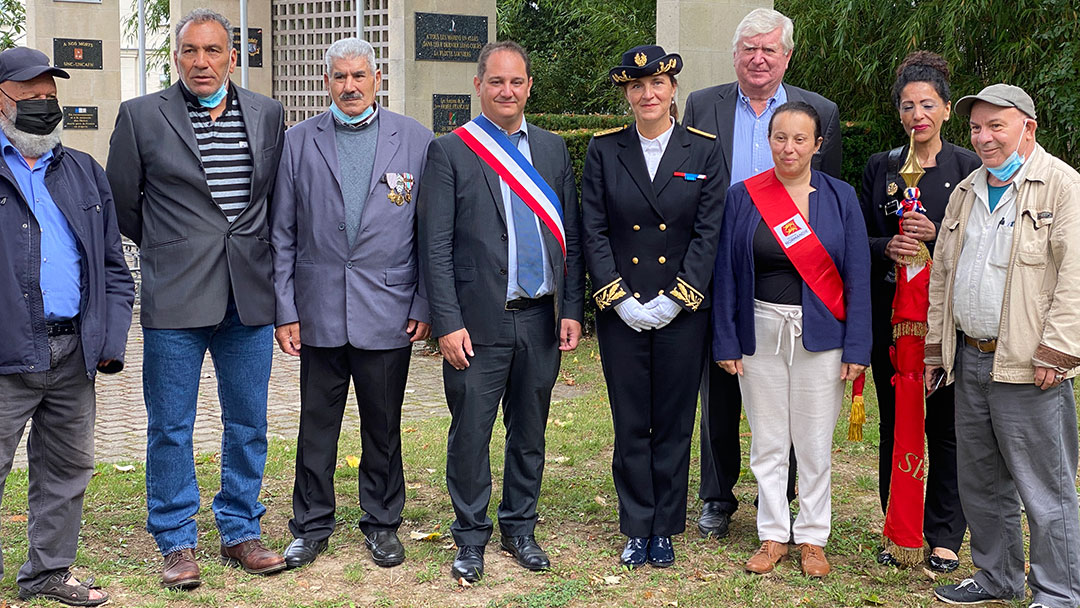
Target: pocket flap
401	276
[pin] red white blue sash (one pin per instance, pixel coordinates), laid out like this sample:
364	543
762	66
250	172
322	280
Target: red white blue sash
494	148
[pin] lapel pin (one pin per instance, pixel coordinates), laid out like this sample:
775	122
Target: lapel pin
690	177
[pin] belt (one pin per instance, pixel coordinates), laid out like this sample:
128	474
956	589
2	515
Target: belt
526	303
988	345
60	328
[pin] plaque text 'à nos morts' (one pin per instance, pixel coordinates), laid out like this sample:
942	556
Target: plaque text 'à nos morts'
77	54
442	37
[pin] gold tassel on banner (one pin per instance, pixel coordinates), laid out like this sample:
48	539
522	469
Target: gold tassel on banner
857	419
906	557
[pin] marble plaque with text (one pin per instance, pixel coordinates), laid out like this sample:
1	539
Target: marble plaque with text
80	118
442	37
449	112
77	54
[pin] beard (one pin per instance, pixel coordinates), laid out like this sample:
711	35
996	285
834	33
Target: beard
28	144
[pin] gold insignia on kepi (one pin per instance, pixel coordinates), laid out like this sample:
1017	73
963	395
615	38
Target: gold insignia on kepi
687	294
640	59
665	67
621	77
610	131
609	294
892	188
700	132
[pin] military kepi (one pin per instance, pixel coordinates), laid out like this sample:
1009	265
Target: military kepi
647	60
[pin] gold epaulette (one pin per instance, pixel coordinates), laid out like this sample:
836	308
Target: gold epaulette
701	133
610	131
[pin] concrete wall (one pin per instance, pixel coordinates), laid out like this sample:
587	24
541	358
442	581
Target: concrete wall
260	80
701	31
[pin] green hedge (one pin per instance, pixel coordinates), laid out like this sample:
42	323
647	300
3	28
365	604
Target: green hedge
571	122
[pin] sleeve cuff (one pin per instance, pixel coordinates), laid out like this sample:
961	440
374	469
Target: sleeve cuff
685	295
932	355
610	294
1055	358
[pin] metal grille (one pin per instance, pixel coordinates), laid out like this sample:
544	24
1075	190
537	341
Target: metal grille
303	30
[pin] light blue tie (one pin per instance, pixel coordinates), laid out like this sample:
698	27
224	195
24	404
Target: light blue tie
530	253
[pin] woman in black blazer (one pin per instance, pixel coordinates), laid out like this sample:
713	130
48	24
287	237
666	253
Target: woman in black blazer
921	95
651	205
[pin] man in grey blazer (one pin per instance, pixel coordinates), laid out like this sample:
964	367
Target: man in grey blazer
349	299
191	169
739	113
504	299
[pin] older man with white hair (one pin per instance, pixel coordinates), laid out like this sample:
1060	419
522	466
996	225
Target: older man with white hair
739	113
349	300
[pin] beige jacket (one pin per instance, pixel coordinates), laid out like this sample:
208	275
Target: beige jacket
1040	316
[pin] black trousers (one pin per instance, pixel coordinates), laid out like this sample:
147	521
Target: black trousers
652	386
519	369
721	457
379	380
943	518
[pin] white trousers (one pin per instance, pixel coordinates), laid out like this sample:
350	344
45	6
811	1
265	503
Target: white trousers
791	396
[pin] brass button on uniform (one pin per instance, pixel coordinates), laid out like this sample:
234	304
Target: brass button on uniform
663	227
637	295
634	260
660	293
636	227
662	259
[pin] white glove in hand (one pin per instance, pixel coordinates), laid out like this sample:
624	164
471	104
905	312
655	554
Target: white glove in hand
664	309
634	314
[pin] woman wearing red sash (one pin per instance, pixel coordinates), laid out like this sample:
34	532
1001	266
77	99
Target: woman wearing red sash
921	96
791	317
651	202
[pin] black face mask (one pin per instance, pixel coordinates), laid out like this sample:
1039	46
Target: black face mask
36	116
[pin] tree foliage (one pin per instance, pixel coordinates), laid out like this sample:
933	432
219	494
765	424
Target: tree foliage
12	22
573	44
157	23
848	50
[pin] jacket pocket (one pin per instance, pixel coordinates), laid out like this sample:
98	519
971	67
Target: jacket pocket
167	243
464	273
401	276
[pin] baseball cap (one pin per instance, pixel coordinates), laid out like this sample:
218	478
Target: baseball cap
24	63
1003	95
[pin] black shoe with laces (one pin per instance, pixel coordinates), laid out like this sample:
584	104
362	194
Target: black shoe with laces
966	593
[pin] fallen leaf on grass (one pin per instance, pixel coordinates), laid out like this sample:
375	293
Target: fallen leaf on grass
124	468
611	579
353	461
413	486
873	599
557	459
18	518
464	583
558	423
600	500
410	429
417	535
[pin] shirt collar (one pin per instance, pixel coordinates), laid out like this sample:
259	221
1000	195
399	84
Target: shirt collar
523	129
660	140
779	97
11	152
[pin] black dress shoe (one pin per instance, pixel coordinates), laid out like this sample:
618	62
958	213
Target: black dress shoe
661	553
635	553
886	558
526	552
468	563
943	565
714	521
303	551
385	548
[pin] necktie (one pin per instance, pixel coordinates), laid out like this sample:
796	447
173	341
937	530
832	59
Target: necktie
530	253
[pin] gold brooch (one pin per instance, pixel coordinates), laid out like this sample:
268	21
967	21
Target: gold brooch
891	188
640	59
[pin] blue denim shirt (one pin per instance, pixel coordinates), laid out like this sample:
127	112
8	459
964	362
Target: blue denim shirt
60	258
750	148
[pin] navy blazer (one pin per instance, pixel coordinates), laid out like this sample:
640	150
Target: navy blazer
837	220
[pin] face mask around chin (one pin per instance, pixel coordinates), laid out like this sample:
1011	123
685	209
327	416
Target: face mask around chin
1012	164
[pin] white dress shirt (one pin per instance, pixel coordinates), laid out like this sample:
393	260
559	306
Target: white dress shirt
653	149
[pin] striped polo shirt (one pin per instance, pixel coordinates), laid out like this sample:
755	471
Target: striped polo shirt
223	147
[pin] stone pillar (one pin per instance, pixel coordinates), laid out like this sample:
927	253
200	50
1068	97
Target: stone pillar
701	31
87	34
260	79
449	31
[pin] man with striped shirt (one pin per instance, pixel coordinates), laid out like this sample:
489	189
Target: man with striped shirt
191	168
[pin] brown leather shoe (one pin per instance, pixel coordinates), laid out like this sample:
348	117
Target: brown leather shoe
180	571
813	560
253	557
766	558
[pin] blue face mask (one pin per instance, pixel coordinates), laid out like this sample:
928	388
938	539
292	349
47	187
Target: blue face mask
351	120
213	100
1011	165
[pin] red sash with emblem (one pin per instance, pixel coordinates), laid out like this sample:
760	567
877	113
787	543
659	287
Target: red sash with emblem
797	239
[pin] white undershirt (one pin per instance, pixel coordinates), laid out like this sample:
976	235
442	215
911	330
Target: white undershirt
653	149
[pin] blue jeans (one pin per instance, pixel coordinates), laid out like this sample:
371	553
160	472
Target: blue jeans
172	364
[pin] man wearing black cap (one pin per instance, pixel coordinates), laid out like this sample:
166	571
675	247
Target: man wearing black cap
67	295
1003	323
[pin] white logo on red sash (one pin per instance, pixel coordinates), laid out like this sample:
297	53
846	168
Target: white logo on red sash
792	230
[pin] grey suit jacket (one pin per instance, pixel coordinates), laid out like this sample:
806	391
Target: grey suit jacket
713	110
364	295
463	242
192	257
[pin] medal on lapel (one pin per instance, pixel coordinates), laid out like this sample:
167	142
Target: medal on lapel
401	185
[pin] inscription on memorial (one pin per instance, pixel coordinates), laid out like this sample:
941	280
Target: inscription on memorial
77	54
449	112
254	46
441	37
80	118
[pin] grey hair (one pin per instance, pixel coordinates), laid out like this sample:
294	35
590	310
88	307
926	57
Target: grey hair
762	21
203	15
350	48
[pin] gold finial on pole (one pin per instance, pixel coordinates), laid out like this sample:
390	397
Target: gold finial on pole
912	171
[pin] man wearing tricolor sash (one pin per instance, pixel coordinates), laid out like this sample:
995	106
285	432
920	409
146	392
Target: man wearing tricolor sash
501	258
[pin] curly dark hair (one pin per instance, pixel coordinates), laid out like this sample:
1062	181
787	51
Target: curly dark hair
922	66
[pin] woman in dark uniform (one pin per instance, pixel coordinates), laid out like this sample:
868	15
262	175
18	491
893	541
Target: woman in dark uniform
921	95
651	205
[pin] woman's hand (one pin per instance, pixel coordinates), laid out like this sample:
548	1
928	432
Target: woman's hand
917	226
731	366
851	371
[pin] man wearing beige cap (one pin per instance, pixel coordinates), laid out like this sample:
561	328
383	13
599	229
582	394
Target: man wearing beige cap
1004	323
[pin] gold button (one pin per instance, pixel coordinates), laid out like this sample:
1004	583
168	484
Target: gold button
634	260
636	227
662	259
637	295
661	292
663	227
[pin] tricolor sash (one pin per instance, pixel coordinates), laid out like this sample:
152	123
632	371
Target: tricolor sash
797	239
494	148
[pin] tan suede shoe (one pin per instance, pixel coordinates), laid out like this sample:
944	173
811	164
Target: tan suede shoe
813	560
766	558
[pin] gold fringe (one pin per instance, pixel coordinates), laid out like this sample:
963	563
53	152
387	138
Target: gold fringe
906	556
857	419
909	328
922	257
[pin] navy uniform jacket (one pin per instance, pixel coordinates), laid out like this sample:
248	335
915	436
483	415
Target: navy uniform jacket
642	238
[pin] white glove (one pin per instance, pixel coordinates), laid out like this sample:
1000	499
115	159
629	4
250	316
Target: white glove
664	309
634	314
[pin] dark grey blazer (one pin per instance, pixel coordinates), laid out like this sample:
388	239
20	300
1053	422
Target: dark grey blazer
364	295
463	240
713	110
191	255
